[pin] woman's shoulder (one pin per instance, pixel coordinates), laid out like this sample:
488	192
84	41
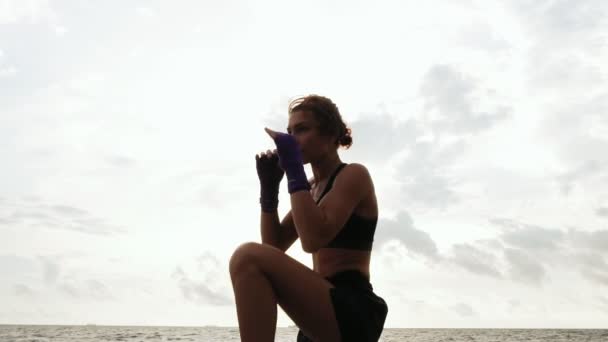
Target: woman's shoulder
355	174
358	170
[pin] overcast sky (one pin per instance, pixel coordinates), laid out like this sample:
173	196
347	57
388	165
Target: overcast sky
128	131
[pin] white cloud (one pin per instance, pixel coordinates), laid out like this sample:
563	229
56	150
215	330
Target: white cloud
8	71
51	270
23	290
463	309
417	242
145	11
55	216
210	290
523	267
30	11
475	260
602	211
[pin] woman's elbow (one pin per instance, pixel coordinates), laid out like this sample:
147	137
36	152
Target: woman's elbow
310	245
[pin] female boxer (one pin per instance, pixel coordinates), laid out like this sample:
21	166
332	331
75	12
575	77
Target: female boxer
334	215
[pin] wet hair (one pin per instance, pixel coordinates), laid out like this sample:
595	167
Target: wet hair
327	115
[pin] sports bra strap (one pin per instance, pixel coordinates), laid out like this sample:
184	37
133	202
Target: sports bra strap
331	181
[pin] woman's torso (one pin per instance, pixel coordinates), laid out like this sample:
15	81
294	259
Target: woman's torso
328	261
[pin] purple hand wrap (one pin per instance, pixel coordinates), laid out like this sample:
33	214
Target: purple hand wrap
290	159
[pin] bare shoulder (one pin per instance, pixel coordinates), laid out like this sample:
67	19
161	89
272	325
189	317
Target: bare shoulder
358	170
359	180
355	174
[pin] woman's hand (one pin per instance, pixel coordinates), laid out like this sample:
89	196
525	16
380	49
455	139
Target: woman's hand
269	171
290	160
270	175
287	149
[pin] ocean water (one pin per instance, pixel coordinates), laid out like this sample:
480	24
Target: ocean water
80	333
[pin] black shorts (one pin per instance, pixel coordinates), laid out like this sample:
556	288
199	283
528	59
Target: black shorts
359	311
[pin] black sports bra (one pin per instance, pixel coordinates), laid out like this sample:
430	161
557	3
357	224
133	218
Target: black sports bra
358	232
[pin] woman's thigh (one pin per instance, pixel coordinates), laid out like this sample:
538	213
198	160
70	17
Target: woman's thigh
301	292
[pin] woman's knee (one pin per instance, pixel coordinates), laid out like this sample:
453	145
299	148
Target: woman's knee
244	258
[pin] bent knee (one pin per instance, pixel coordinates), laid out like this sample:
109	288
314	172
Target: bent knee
244	257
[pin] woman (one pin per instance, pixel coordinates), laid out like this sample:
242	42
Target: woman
334	215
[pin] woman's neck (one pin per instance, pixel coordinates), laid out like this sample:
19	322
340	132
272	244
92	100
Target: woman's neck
323	169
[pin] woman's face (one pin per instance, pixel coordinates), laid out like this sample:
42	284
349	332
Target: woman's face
305	129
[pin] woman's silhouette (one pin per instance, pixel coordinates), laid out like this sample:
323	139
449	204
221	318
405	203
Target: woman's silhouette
334	214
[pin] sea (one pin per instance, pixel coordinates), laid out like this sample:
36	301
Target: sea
95	333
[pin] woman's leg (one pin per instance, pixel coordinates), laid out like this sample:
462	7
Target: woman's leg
262	277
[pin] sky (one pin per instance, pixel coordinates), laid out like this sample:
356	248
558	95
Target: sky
128	131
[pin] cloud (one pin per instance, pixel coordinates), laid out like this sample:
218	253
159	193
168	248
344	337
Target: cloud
208	291
30	11
463	309
589	240
523	267
199	292
8	71
480	35
593	267
535	238
566	70
531	237
121	161
379	137
416	306
56	216
602	303
584	170
579	131
453	110
98	290
22	290
602	211
514	305
216	185
12	265
475	260
68	211
531	246
417	242
89	289
51	269
449	98
561	18
70	290
146	12
425	177
566	40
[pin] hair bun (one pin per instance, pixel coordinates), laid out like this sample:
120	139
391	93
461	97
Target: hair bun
346	139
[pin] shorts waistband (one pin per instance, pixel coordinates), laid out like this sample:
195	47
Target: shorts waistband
350	278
